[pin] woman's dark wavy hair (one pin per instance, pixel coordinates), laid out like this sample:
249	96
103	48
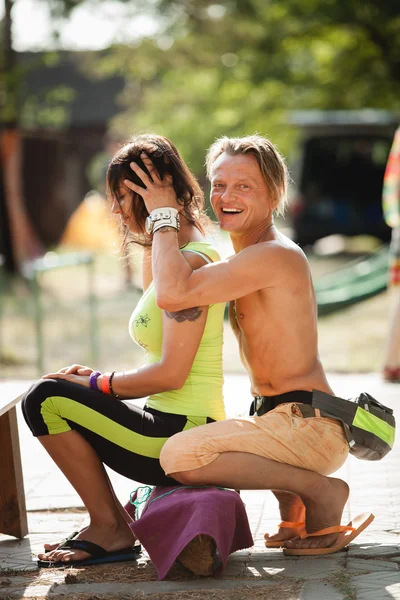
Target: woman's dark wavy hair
167	160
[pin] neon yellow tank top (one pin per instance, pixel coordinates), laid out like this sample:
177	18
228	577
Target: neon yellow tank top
201	394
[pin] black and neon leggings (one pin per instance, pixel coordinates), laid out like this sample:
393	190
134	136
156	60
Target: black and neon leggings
126	438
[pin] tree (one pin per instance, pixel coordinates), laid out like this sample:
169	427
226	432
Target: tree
238	66
18	241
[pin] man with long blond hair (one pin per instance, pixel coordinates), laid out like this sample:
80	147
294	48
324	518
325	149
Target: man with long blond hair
285	446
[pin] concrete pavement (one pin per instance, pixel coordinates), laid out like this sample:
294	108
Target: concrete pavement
369	570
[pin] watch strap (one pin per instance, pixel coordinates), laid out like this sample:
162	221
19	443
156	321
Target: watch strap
164	228
162	217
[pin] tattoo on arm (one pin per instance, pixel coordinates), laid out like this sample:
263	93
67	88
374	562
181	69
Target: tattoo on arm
188	314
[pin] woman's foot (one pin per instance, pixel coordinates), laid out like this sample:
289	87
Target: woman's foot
124	514
111	537
323	509
292	510
72	536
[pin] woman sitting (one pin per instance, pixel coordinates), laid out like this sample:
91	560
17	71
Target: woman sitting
82	417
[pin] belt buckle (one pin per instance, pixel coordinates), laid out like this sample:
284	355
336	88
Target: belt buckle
258	402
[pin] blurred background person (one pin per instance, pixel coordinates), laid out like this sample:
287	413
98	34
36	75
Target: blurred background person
391	208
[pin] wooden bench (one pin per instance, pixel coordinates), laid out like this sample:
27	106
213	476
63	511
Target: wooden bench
13	519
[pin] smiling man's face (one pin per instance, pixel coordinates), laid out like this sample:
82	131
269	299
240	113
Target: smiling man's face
239	193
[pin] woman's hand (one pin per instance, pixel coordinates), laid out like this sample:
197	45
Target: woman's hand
159	193
79	379
73	370
75	373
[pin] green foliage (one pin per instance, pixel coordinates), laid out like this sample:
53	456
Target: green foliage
49	110
239	66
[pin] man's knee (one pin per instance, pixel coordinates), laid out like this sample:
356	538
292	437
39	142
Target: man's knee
168	452
167	460
170	458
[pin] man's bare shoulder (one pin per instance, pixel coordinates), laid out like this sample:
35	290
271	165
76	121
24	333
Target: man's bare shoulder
278	250
285	248
283	258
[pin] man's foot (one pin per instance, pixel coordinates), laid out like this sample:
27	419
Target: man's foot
287	530
391	374
323	510
111	538
346	534
293	511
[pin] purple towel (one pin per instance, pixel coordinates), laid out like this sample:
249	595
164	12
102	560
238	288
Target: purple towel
173	516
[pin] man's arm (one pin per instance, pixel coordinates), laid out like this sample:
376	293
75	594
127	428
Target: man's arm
179	287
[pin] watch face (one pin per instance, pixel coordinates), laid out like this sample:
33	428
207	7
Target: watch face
149	225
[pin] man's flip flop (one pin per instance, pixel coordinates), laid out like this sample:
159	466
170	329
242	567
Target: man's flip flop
288	524
347	535
99	555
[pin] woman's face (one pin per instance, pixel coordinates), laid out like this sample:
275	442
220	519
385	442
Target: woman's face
122	206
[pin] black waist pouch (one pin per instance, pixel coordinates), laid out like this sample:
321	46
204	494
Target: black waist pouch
369	426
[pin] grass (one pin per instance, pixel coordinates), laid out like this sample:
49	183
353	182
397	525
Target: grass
66	321
341	580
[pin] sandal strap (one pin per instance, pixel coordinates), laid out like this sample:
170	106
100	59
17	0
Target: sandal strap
327	531
93	549
291	524
70	537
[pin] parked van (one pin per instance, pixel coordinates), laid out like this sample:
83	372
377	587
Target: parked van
338	178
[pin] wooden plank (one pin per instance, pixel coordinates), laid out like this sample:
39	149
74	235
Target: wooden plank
11	393
8	404
13	519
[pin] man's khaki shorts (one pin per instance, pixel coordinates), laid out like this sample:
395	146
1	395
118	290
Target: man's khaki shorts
283	434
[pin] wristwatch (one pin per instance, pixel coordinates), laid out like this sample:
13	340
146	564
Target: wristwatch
161	217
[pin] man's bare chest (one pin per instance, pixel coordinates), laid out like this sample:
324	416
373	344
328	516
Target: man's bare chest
247	315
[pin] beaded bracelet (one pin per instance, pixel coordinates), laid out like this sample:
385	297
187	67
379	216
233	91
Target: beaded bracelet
110	384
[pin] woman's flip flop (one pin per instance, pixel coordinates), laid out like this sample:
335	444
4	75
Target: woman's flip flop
288	524
70	537
347	534
99	555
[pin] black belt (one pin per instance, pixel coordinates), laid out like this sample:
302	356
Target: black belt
263	404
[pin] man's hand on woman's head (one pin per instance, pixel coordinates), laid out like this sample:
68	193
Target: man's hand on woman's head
159	193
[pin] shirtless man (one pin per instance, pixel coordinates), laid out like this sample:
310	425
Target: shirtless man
290	449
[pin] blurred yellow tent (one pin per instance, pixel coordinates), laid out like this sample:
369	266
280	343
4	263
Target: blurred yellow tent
92	226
